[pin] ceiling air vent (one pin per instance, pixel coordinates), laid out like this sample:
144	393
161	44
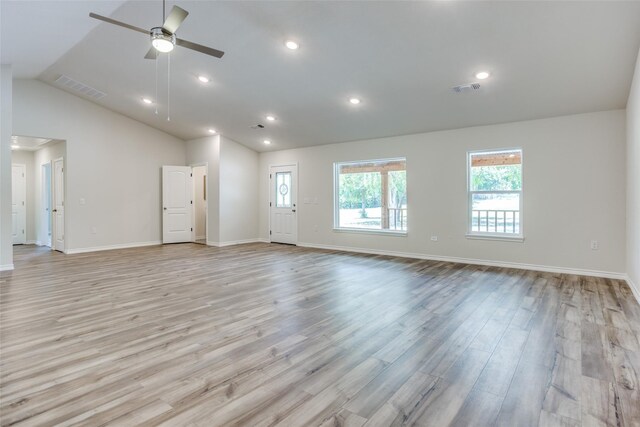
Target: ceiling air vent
470	87
81	88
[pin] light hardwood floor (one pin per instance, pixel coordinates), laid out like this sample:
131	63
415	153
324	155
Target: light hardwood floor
259	334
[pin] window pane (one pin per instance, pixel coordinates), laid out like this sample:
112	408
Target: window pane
283	189
496	171
495	213
372	195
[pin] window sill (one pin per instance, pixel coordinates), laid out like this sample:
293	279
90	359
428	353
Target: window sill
368	231
518	239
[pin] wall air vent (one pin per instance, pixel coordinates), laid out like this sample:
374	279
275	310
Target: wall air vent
469	87
80	88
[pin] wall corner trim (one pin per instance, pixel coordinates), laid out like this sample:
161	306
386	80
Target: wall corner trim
534	267
634	288
111	247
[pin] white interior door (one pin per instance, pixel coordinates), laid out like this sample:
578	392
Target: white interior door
45	236
283	200
18	201
58	204
177	205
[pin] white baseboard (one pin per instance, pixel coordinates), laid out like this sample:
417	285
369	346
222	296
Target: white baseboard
520	266
31	242
233	242
111	247
6	267
200	237
634	288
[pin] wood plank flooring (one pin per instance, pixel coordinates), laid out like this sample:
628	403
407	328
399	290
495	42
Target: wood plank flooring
262	335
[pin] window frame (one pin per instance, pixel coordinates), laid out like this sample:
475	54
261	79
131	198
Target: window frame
484	235
336	200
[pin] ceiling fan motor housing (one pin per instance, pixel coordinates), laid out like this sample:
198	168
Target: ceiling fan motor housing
161	40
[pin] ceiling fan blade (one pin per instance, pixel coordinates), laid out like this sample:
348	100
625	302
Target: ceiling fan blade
200	48
175	18
152	53
121	24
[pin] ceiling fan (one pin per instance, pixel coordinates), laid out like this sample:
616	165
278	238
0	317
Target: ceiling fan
163	38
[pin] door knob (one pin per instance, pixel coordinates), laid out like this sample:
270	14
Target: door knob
55	210
293	210
164	209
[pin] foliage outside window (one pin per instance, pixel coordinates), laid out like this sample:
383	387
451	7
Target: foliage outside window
495	193
371	195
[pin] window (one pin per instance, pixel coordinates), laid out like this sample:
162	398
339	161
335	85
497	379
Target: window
495	193
283	184
371	195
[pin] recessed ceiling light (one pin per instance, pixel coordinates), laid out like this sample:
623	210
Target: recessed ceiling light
270	118
291	44
212	131
354	101
512	155
147	101
267	142
204	79
14	147
482	75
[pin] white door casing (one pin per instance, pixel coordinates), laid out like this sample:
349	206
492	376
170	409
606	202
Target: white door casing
177	189
46	205
18	204
283	200
57	171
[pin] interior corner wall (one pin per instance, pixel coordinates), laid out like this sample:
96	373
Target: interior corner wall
633	181
573	183
238	193
112	166
26	158
207	150
6	121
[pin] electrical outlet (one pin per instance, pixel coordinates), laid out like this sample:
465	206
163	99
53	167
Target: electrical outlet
93	230
595	245
434	238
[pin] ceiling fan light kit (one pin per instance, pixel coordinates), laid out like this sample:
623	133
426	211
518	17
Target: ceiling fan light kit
161	41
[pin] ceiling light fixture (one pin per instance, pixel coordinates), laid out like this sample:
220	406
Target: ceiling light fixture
212	131
147	101
161	41
204	79
512	156
354	101
270	118
267	142
482	75
291	44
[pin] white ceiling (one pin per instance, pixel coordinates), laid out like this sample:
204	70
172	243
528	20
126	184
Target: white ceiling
29	143
401	58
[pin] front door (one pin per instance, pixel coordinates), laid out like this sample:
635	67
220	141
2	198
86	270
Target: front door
177	189
18	208
283	200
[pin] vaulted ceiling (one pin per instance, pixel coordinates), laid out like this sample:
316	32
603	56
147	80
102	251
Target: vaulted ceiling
400	58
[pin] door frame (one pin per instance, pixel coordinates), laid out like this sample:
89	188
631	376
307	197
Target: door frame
193	211
43	193
271	166
24	210
64	196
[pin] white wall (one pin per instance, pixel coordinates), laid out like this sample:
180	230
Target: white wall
199	202
6	120
25	157
573	192
113	164
633	181
46	154
207	150
238	192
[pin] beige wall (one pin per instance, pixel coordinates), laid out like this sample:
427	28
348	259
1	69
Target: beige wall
112	169
6	120
26	158
573	192
199	202
633	181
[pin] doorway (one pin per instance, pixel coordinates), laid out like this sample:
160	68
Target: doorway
18	204
199	173
283	198
58	204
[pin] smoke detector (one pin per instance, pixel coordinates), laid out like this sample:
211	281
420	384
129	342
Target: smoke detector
469	87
